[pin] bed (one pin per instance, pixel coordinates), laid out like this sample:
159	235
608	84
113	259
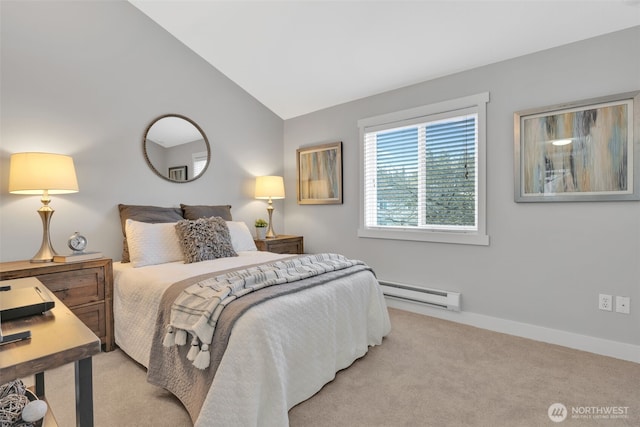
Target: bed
280	351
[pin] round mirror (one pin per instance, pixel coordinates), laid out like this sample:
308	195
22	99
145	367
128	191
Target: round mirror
176	149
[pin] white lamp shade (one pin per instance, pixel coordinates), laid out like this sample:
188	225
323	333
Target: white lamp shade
33	173
269	187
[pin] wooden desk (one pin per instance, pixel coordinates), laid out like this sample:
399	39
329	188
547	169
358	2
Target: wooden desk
58	337
86	287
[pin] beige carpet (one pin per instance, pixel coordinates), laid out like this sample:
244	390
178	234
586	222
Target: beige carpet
428	372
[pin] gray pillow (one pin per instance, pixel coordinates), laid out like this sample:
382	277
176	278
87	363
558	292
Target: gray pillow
204	239
148	214
206	211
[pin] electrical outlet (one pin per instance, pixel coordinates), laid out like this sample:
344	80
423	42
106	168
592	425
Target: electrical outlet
605	302
622	304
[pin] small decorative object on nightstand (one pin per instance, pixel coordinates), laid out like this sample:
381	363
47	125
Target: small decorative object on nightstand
77	243
261	229
283	244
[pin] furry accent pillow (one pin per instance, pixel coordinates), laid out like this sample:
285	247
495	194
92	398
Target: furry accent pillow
204	239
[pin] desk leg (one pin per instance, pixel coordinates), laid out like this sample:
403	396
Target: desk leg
84	393
40	385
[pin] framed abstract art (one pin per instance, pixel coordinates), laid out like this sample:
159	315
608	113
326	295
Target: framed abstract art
320	174
581	151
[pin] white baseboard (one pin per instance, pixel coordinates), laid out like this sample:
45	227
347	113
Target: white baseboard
616	349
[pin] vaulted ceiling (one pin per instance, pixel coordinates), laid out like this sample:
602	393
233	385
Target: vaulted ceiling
297	57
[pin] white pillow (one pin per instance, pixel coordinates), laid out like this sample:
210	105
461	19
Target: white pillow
151	244
241	238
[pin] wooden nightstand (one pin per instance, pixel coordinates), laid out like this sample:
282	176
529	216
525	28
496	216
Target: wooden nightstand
86	287
282	244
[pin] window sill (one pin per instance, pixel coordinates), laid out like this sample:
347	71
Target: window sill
426	236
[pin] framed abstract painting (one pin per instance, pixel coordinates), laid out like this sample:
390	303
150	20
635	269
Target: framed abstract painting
320	174
581	151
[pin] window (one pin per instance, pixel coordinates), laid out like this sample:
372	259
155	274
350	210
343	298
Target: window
423	173
199	162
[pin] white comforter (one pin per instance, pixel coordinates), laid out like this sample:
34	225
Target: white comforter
280	353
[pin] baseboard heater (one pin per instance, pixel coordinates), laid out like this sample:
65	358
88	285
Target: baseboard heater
432	297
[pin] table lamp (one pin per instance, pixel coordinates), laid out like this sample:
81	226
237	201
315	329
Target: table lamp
42	173
270	187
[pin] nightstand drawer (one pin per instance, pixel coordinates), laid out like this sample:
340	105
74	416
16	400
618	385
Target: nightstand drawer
282	244
286	248
93	315
76	287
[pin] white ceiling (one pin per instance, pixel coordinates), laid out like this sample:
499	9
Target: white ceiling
301	56
171	131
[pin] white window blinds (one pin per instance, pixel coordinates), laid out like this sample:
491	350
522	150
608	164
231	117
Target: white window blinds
422	175
199	162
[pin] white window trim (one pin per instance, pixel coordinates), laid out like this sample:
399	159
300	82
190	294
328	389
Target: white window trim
479	237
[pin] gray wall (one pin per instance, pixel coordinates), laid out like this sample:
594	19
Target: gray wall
547	262
86	79
157	155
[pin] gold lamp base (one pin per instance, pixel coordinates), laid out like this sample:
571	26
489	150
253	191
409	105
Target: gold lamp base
46	252
270	233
